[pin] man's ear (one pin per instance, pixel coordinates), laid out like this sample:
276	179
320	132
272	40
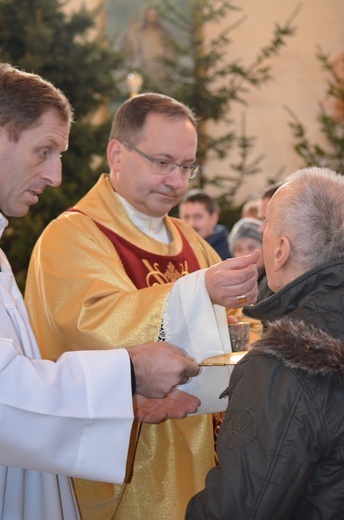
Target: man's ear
114	154
281	253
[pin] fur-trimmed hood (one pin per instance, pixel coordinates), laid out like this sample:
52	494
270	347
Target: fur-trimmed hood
316	297
305	347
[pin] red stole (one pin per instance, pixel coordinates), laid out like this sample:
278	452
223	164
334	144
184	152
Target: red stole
146	269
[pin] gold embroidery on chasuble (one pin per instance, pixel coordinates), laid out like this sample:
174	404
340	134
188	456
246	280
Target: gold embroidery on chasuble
172	274
146	269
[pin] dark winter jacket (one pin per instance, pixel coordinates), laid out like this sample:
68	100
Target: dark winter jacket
281	445
219	241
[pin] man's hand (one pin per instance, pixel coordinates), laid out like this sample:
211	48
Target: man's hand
175	405
159	367
233	278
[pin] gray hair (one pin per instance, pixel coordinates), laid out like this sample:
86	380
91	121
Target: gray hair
313	216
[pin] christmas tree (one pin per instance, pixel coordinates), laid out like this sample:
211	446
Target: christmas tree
37	36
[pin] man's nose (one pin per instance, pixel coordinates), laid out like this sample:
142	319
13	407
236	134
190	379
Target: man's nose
54	173
191	221
175	179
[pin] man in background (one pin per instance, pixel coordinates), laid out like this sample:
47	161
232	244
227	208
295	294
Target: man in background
250	209
127	272
201	212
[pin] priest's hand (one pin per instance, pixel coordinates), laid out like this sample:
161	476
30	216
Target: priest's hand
233	282
159	367
175	405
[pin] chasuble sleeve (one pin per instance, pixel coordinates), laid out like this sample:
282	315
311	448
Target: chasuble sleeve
192	322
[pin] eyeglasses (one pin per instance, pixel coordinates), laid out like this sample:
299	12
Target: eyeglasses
163	167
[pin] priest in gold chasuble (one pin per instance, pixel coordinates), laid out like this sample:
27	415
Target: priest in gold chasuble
101	276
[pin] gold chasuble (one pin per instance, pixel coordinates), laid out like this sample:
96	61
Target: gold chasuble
96	281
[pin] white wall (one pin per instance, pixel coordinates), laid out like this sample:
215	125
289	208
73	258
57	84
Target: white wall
298	79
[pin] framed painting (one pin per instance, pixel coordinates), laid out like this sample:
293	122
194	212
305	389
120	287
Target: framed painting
143	33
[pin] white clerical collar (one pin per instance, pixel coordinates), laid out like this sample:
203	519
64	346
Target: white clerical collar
154	227
3	224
